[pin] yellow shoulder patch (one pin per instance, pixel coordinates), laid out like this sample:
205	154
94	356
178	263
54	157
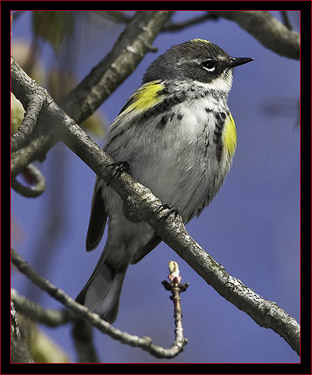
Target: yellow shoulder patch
145	97
229	136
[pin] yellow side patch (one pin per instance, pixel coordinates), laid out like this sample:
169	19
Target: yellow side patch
147	96
229	136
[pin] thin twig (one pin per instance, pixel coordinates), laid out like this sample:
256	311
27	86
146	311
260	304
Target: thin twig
145	342
178	26
35	177
176	289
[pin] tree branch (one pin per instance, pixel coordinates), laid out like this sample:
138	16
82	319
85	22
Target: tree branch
144	343
271	33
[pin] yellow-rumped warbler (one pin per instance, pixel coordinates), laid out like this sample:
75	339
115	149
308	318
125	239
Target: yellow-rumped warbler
178	136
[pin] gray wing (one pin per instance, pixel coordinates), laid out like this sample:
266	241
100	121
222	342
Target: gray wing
98	218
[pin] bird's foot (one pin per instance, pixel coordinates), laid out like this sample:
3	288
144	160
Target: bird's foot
118	168
169	211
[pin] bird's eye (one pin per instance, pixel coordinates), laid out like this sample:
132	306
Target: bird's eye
209	65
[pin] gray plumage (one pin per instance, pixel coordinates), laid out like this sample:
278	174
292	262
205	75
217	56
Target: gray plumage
174	145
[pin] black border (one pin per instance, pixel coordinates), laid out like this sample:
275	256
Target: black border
305	366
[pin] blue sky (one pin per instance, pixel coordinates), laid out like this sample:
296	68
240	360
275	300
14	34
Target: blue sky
251	227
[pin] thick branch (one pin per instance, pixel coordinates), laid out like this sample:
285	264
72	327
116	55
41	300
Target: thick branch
267	30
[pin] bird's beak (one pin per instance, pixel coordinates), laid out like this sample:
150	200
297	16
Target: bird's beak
236	61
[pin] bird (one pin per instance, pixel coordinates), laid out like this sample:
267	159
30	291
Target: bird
177	136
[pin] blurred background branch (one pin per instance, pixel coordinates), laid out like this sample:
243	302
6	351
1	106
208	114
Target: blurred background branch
267	30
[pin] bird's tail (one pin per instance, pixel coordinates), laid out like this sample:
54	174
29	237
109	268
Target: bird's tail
101	293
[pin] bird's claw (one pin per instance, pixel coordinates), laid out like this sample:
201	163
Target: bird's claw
118	168
170	211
